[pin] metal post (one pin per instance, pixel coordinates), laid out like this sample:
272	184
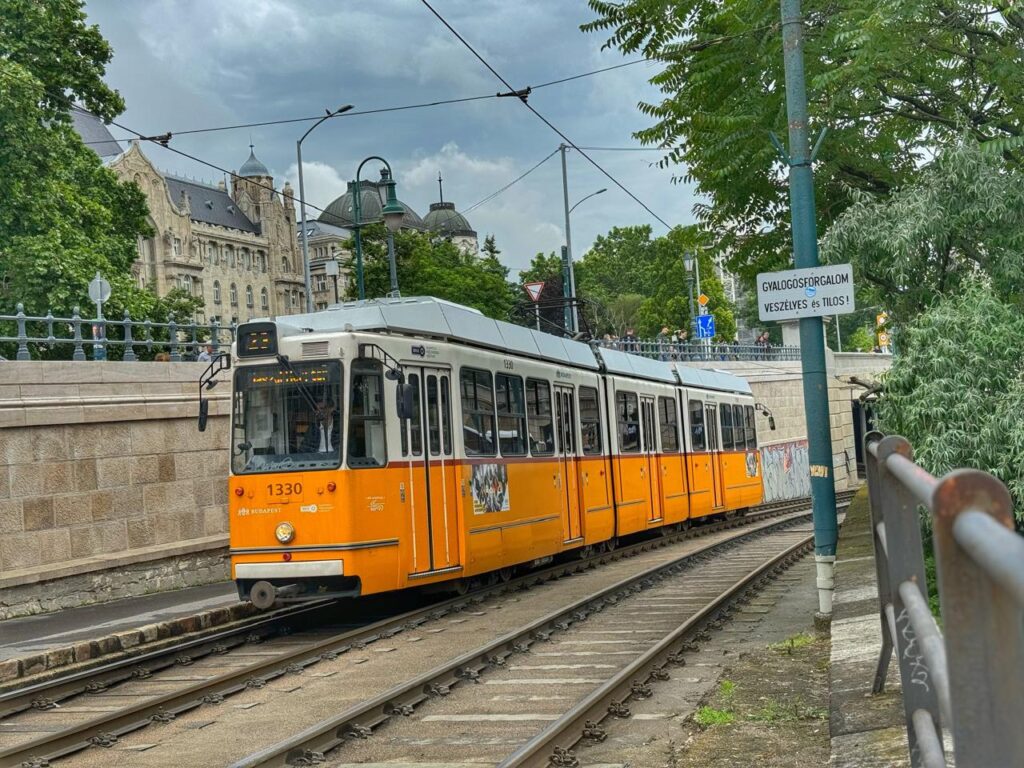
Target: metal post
335	289
812	341
839	339
23	353
305	235
172	336
129	346
76	323
567	290
572	321
689	280
536	311
392	267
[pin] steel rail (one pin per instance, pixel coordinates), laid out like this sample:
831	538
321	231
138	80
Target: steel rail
107	728
358	721
609	700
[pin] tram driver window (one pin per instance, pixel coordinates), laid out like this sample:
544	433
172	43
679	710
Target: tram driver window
366	447
698	439
511	415
590	421
538	412
477	412
629	422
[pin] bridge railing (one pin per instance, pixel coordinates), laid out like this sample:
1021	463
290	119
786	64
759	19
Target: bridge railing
97	336
967	678
658	349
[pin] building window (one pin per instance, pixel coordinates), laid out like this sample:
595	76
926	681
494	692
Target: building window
321	283
248	296
185	283
285	265
216	291
234	295
231	255
247	258
177	246
261	259
264	299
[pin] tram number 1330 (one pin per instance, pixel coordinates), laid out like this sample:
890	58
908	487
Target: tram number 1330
283	489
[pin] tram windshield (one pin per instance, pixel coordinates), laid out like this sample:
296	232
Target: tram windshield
287	418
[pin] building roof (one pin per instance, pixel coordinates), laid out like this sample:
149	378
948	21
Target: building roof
340	212
317	228
252	166
95	134
445	220
210	205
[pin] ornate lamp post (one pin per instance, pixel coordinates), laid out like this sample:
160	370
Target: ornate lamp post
688	262
302	202
393	213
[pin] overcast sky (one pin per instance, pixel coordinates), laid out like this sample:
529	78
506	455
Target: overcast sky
185	64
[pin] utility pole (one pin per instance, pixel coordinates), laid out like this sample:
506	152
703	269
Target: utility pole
572	321
812	340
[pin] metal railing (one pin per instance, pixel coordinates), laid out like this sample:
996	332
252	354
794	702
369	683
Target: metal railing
43	335
968	677
695	351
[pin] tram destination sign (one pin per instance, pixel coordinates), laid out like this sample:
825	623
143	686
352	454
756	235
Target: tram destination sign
812	292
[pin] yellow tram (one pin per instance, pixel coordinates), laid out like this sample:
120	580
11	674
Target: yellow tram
392	443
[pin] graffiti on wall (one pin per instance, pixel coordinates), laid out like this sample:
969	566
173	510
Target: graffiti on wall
786	471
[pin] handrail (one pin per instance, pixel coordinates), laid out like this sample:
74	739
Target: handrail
968	679
47	332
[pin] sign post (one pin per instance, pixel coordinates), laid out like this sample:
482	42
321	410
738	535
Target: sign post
535	290
331	270
99	292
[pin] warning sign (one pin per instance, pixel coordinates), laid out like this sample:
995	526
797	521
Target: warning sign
811	292
535	290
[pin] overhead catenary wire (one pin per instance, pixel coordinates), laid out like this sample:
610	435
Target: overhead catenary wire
543	119
516	180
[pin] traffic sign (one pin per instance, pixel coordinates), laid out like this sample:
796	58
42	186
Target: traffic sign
703	300
705	326
810	292
99	289
881	318
883	339
535	290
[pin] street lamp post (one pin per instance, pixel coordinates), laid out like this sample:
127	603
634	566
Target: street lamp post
302	202
688	262
570	290
393	213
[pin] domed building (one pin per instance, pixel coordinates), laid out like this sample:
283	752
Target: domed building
341	212
444	220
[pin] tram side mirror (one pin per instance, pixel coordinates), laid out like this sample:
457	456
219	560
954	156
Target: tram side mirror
771	423
204	413
404	393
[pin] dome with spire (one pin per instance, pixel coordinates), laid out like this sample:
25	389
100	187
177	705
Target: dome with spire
252	166
443	219
340	212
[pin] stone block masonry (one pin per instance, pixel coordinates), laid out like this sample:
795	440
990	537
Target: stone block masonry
106	484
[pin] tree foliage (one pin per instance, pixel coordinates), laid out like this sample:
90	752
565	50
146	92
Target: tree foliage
64	216
547	269
890	78
963	216
628	261
434	267
956	390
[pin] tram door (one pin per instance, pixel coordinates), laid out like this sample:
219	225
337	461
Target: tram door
715	451
432	493
568	459
649	430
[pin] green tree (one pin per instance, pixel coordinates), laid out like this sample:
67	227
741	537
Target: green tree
65	216
438	268
956	389
890	78
490	247
962	216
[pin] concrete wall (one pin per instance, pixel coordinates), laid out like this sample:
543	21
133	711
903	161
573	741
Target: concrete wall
101	466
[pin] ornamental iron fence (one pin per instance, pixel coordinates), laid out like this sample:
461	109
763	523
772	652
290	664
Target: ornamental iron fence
658	349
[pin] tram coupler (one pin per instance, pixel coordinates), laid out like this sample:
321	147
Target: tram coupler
264	594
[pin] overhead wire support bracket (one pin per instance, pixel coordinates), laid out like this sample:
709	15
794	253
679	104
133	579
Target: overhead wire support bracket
818	143
163	139
522	94
779	148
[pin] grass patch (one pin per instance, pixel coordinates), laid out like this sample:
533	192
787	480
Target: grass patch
706	717
727	689
776	712
793	643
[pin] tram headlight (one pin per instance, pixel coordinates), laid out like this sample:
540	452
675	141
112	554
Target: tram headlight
285	532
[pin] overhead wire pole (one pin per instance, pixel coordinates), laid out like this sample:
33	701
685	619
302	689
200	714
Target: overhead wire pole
812	339
569	291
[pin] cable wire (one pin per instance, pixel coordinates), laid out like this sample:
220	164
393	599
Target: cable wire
541	117
493	195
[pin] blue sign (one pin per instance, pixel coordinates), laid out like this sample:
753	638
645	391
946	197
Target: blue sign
705	326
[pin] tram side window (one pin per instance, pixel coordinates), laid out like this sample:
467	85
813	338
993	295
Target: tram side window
415	426
511	415
477	412
727	442
446	415
590	421
629	422
698	438
538	412
739	431
366	447
667	420
751	428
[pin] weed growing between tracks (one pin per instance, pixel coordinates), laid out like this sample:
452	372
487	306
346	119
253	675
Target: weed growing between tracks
770	711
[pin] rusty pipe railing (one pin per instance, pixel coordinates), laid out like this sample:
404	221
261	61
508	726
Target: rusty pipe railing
968	677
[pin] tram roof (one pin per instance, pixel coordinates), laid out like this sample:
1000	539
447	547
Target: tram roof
428	316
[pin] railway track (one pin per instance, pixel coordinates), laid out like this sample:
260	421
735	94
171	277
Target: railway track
295	655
